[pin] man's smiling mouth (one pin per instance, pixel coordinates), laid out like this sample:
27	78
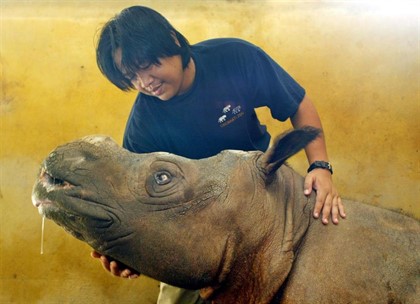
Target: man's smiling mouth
156	90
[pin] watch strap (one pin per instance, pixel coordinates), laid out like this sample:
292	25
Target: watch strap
319	164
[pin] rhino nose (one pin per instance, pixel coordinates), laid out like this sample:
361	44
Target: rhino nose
48	179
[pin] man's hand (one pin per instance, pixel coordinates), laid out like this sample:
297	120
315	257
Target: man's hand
116	268
327	198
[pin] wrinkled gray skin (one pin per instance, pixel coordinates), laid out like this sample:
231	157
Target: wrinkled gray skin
236	225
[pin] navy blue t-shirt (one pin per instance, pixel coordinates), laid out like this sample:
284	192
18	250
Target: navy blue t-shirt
233	77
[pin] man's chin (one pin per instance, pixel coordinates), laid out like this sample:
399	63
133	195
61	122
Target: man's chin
164	96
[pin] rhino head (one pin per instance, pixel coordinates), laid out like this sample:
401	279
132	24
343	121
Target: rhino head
199	224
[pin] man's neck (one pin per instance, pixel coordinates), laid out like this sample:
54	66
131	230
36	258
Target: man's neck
189	76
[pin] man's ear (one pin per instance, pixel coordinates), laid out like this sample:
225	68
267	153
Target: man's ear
286	145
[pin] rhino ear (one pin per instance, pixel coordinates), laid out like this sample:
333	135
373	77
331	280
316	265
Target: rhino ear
286	145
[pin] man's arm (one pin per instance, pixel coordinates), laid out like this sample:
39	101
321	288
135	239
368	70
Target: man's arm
327	198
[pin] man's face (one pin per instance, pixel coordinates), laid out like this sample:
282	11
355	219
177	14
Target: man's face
164	81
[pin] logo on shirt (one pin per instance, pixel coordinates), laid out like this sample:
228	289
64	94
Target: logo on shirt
229	115
227	109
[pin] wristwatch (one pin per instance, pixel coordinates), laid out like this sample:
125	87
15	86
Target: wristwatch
319	164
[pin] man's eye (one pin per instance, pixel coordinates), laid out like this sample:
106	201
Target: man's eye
162	178
130	77
145	67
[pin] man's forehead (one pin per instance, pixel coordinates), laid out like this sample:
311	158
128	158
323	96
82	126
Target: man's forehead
117	56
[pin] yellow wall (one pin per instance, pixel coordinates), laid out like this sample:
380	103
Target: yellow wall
360	65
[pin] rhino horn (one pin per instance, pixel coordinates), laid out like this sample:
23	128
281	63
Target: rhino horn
285	146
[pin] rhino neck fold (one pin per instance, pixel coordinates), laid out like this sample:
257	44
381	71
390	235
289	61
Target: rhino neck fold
266	267
298	208
298	217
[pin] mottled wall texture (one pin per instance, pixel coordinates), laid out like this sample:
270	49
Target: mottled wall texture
358	62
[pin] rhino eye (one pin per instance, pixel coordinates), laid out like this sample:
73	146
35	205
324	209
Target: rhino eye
163	178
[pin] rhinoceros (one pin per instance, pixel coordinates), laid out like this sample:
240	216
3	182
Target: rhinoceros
236	226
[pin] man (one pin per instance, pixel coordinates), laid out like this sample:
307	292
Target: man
198	100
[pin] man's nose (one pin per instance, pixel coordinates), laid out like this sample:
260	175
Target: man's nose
143	80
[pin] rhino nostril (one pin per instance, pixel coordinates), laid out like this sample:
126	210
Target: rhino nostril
55	181
51	180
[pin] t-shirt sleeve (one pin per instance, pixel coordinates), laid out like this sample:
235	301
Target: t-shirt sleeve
274	87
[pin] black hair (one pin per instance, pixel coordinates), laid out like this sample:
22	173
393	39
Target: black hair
143	36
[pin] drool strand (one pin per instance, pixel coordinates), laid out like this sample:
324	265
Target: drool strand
42	234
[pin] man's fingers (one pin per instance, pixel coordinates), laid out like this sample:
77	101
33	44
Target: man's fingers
95	254
319	204
326	209
334	210
114	269
126	273
307	188
341	208
105	262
